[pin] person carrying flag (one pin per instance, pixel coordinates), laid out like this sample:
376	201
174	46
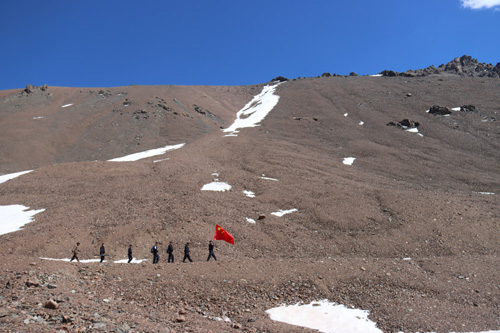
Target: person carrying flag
211	247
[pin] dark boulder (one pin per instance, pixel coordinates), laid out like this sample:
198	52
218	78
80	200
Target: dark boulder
280	79
405	124
439	110
468	108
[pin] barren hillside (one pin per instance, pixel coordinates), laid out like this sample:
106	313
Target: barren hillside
409	230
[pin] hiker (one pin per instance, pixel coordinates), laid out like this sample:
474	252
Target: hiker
129	253
154	251
102	252
211	247
186	253
76	250
170	251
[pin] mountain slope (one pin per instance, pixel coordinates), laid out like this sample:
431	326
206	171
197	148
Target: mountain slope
429	197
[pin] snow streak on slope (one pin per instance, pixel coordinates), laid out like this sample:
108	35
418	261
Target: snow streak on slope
255	111
148	153
10	176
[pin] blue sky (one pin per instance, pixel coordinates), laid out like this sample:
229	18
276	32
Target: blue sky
231	42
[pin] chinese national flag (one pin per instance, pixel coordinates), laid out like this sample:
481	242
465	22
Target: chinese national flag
221	234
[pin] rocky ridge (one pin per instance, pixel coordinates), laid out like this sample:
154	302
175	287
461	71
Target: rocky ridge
464	66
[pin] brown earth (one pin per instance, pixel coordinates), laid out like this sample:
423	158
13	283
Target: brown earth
406	232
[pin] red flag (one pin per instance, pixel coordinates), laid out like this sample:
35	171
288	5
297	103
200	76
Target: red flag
221	234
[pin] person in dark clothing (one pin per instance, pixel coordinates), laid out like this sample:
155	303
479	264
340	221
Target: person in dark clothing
211	247
170	251
129	253
186	253
102	252
154	250
76	251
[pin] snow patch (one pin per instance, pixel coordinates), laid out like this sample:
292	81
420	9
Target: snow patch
346	114
121	261
348	160
325	317
125	261
14	217
282	212
216	186
10	176
268	178
68	260
249	194
66	105
254	111
361	123
41	117
249	220
148	153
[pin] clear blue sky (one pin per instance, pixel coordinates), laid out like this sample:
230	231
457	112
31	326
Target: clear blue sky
110	43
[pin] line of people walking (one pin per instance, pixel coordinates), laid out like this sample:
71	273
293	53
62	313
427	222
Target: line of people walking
154	250
187	252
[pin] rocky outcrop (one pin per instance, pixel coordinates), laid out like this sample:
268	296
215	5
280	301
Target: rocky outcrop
439	110
405	124
465	65
280	79
32	89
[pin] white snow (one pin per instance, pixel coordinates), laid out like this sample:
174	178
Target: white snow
41	117
348	160
125	261
325	317
412	130
249	194
376	75
485	193
282	212
121	261
14	217
68	259
254	111
346	114
148	153
10	176
249	220
361	123
66	105
456	108
268	178
216	186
